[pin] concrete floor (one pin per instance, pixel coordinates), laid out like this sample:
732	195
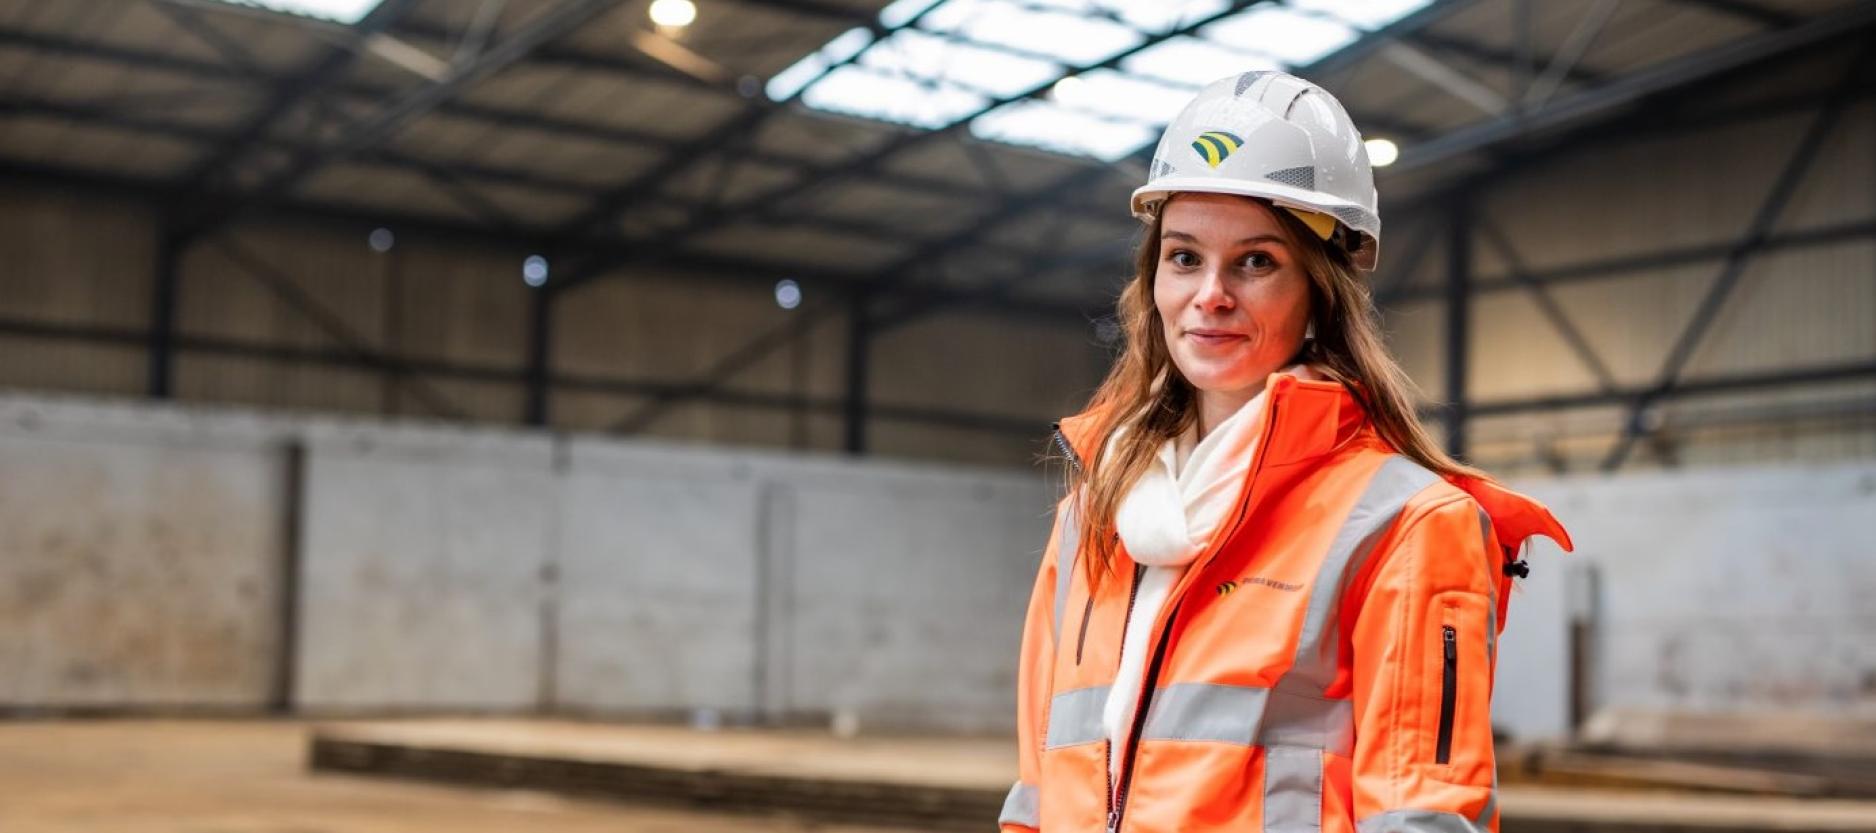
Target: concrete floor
215	776
229	776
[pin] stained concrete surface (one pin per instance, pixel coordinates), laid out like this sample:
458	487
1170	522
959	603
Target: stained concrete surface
988	765
202	776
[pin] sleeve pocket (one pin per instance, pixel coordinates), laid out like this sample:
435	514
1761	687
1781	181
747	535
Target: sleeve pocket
1456	676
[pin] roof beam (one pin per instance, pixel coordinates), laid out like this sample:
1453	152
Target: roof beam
1667	75
1763	15
643	187
550	25
510	117
284	97
725	269
1482	53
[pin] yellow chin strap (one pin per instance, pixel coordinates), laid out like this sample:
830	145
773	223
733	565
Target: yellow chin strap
1322	224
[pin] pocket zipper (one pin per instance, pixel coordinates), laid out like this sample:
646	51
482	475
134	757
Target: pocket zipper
1449	683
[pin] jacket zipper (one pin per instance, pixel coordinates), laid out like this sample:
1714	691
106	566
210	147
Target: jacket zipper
1068	451
1113	796
1449	682
1117	799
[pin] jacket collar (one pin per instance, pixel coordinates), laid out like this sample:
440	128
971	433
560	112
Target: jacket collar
1313	418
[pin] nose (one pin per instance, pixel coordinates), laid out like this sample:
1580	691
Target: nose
1214	295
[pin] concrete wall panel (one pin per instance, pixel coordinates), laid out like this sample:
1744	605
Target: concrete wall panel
139	564
658	582
423	562
1730	589
907	597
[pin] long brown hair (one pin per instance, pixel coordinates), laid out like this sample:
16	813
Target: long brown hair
1348	347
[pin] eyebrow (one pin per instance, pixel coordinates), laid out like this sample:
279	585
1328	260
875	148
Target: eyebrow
1259	238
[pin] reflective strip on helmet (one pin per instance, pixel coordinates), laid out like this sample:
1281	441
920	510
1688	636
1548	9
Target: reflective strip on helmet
1292	790
1065	545
1075	717
1419	821
1022	806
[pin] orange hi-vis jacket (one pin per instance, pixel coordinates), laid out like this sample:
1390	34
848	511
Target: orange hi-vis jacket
1324	665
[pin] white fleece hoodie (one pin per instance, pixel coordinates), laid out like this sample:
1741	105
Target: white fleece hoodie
1170	516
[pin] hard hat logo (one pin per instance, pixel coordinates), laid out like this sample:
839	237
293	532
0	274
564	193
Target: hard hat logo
1213	146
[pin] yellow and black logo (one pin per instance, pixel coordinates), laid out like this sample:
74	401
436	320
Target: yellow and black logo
1214	146
1287	587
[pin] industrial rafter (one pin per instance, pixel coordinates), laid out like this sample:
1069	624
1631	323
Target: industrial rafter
698	224
558	21
283	98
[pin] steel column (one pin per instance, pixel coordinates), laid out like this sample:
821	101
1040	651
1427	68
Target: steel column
540	362
162	340
859	350
1458	321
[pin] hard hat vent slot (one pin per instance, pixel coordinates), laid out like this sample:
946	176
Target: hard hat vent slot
1303	177
1247	79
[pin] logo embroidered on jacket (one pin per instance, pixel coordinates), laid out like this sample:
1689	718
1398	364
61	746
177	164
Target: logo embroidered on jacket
1285	586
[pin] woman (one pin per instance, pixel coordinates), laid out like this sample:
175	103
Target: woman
1270	601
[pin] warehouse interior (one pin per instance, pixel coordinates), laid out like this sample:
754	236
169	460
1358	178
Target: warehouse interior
402	399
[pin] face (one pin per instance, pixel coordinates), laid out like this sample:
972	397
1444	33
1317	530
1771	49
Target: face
1232	294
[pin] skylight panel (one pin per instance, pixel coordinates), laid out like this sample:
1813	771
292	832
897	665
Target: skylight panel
1288	35
1164	16
1194	62
933	58
862	92
1072	38
1125	97
786	83
947	59
347	12
1367	15
901	12
1052	127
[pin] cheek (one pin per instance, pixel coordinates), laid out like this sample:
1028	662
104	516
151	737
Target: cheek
1165	297
1283	310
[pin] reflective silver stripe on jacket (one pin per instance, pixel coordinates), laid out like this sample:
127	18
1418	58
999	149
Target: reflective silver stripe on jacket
1075	717
1420	821
1066	543
1022	806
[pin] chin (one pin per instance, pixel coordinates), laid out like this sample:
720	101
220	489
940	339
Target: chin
1221	380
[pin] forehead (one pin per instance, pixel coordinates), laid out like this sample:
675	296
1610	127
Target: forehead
1205	215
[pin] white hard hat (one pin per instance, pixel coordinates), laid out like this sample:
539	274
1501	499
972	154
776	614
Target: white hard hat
1275	136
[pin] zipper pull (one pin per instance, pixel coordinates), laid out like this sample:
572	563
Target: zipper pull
1113	821
1452	647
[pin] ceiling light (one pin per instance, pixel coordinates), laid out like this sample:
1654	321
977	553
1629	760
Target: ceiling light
787	294
1381	152
673	13
534	270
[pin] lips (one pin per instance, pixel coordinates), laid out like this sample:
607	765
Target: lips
1213	338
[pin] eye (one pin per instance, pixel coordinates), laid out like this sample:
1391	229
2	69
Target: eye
1260	261
1182	258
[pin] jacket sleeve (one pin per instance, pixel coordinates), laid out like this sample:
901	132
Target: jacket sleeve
1035	666
1424	651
